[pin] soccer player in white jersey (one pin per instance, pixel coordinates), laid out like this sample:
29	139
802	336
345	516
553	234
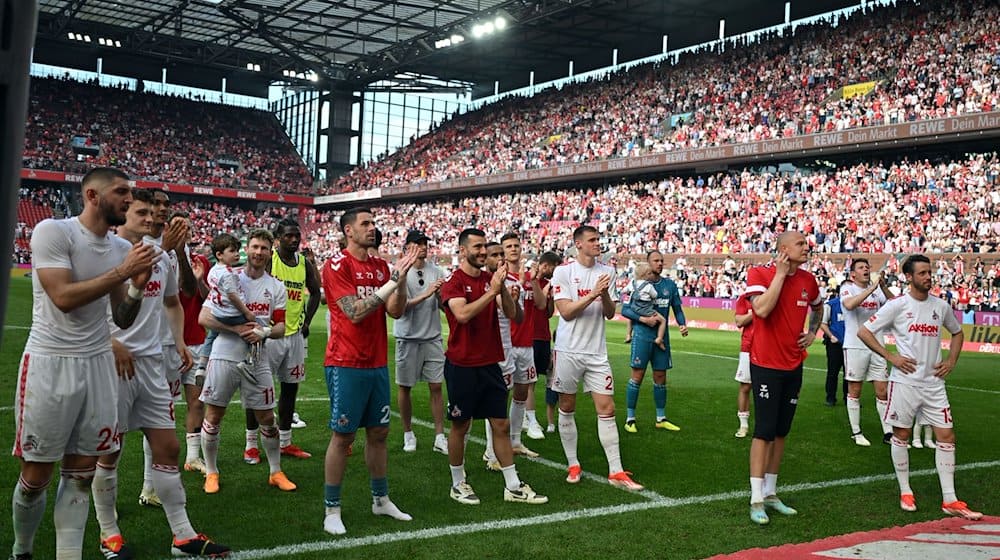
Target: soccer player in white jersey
582	293
860	299
146	403
66	376
916	383
265	297
176	357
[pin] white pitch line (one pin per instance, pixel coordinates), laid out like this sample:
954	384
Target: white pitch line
572	515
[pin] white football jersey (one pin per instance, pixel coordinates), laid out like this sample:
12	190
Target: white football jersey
69	245
143	338
585	333
221	280
170	287
856	317
263	296
916	325
504	321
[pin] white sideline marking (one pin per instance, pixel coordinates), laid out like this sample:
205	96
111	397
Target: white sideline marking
467	528
17	327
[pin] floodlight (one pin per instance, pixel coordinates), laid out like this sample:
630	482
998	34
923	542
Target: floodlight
500	23
456	39
118	44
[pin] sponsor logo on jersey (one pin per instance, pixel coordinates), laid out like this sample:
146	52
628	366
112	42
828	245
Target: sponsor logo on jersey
259	308
583	293
867	304
923	328
365	291
153	288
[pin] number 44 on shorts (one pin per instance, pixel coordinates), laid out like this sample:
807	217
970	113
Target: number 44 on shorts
764	394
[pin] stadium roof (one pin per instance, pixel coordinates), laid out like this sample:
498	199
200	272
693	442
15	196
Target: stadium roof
358	42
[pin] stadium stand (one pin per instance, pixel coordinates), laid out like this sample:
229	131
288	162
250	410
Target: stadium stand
930	60
162	138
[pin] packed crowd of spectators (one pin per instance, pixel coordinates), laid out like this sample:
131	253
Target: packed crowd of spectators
159	138
934	59
904	206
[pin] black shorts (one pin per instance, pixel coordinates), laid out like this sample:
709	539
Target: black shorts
543	356
775	398
475	392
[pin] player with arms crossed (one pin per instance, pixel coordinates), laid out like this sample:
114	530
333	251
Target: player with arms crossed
581	291
363	291
860	299
67	373
781	295
916	383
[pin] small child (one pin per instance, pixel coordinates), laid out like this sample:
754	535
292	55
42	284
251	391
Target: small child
644	298
225	300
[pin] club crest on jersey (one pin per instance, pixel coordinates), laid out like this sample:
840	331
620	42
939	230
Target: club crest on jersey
156	268
805	294
380	275
934	316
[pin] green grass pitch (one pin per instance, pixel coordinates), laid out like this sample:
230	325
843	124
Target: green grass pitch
697	478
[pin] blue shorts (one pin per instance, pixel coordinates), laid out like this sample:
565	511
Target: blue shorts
646	352
358	398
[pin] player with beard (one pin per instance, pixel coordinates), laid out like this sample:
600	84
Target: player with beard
287	356
362	291
917	382
67	372
476	388
265	297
